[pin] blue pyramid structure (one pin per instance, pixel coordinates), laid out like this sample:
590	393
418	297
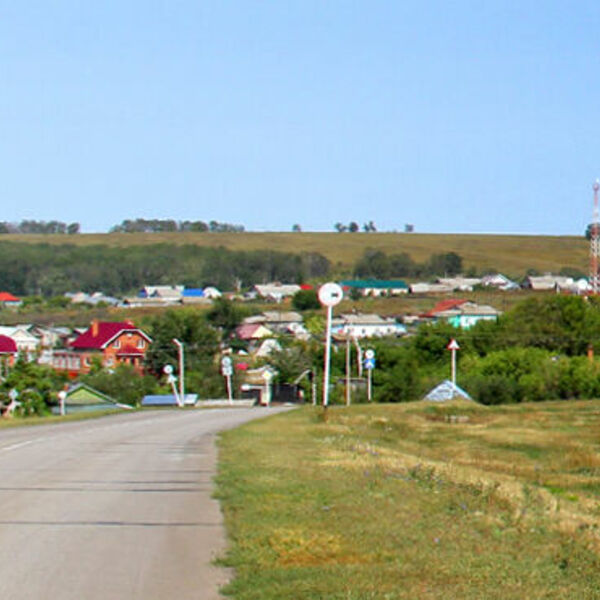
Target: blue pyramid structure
446	391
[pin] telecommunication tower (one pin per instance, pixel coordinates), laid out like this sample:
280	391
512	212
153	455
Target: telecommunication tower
595	243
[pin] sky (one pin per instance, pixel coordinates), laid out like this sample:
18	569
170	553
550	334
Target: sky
454	116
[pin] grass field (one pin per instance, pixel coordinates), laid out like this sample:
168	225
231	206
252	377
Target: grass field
415	501
511	254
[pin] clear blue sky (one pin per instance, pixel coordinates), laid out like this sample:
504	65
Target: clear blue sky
454	116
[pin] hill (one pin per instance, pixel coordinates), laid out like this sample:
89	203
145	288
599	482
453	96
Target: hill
511	254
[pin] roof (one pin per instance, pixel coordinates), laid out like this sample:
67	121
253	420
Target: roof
193	293
8	297
249	331
81	393
386	284
105	332
446	391
365	319
7	345
444	305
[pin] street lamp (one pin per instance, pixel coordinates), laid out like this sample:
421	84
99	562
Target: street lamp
181	371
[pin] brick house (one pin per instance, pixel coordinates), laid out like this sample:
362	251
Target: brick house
113	343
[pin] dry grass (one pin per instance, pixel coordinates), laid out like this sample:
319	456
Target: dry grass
402	502
512	254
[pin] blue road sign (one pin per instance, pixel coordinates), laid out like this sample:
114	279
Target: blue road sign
369	363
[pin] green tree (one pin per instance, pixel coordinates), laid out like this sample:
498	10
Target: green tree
124	384
306	300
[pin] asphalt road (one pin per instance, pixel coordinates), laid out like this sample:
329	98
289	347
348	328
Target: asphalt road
113	508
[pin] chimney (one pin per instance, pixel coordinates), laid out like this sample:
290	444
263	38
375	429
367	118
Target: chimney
95	328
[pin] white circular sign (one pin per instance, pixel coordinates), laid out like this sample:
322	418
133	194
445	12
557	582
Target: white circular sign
330	294
167	369
226	361
370	353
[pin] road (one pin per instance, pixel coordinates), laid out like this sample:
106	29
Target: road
113	508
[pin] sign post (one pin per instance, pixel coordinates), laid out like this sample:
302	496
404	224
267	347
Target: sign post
369	366
453	347
330	294
227	371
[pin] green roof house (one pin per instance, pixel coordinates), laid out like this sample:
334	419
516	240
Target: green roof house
84	398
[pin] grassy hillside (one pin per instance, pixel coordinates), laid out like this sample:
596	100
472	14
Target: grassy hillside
510	254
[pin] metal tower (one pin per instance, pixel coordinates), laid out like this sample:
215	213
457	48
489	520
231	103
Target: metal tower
595	243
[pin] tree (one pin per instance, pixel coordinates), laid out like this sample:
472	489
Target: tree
200	340
353	227
306	300
448	264
340	227
124	383
296	228
225	315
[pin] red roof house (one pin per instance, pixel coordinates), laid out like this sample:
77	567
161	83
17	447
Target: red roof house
8	350
7	299
442	306
112	342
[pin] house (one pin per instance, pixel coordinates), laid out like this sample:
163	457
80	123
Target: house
112	343
7	300
92	299
279	321
276	291
267	347
156	295
499	281
461	284
8	353
194	296
375	287
84	398
252	331
548	282
27	343
429	288
212	293
462	313
49	339
361	325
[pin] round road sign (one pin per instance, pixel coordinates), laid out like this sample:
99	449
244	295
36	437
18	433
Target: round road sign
370	353
330	294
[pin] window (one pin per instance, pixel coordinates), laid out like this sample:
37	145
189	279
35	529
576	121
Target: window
117	344
141	343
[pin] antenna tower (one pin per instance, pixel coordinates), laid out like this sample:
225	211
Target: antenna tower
595	243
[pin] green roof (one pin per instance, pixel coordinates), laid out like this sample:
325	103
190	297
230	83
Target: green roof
375	283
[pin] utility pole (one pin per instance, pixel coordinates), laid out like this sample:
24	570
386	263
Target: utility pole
595	243
181	371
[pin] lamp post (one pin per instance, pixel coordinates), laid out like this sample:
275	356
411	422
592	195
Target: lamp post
181	371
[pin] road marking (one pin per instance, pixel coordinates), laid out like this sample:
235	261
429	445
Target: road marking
19	445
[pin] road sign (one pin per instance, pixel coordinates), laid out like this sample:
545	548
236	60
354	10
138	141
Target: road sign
369	363
330	294
370	353
453	345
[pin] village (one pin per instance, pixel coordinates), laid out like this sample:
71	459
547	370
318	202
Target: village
75	352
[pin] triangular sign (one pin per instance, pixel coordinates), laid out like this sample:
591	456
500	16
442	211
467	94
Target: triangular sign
453	345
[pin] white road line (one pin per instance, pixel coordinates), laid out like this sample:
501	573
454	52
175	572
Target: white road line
15	446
